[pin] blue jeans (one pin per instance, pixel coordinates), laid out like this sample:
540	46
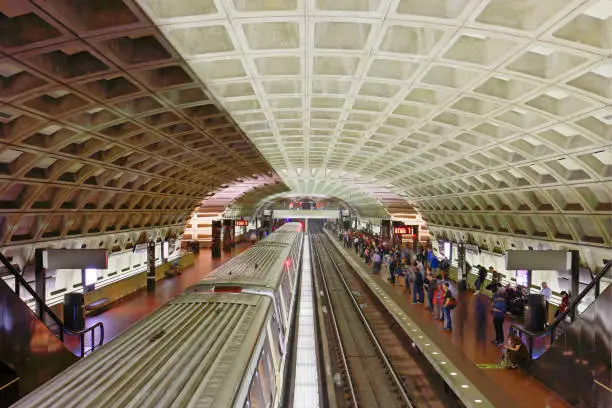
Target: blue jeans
448	323
417	291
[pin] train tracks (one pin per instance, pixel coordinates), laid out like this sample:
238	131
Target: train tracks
375	364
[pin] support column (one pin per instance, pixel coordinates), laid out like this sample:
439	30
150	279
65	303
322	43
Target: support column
216	239
40	281
151	266
227	235
575	279
162	246
461	267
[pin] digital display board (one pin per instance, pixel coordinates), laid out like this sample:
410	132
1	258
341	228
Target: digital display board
242	223
402	230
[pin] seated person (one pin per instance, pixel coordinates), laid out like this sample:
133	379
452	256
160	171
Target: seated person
516	352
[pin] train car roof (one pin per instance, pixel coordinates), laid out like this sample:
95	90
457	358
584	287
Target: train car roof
261	265
193	351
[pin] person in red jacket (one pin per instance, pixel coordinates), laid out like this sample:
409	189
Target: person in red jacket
438	301
564	303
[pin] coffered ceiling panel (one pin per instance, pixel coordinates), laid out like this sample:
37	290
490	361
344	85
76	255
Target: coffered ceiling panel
103	126
474	106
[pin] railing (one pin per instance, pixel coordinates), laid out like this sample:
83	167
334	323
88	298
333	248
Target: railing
81	334
570	310
42	306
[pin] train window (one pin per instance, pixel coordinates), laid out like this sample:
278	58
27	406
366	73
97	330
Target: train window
276	335
256	399
286	286
281	303
267	358
265	379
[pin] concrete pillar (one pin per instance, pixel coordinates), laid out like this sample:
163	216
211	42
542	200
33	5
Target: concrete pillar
151	266
40	280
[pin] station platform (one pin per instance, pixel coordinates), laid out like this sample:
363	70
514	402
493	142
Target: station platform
457	355
127	311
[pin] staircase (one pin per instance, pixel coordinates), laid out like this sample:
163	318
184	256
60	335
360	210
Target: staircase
31	352
577	363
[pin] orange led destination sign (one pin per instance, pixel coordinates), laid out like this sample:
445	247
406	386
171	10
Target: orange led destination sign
402	230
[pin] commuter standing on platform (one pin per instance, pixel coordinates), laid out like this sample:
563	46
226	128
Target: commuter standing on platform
376	261
499	313
392	267
430	287
438	312
480	312
419	280
449	304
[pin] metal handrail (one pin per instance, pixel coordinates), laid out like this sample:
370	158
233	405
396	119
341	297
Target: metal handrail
19	280
561	316
81	334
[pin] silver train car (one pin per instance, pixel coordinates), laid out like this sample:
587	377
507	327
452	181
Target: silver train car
222	343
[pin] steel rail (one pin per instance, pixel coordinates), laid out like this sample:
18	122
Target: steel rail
373	337
335	324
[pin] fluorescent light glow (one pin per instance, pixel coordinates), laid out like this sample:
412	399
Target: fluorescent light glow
91	276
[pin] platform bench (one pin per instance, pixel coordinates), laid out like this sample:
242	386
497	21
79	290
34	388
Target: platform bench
97	306
177	270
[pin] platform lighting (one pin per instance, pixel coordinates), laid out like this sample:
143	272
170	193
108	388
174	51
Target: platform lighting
91	276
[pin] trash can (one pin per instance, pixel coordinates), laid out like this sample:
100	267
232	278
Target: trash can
74	311
535	312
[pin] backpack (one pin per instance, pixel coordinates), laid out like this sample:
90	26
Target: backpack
418	278
452	303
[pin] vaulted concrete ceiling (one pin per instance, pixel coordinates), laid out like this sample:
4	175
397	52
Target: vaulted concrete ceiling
485	114
490	115
103	126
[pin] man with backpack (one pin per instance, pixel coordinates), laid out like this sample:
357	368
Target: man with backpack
449	304
482	275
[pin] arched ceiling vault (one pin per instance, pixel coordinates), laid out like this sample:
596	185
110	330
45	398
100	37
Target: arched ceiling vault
485	114
491	115
216	202
103	126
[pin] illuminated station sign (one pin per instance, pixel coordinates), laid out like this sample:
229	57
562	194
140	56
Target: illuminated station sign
402	230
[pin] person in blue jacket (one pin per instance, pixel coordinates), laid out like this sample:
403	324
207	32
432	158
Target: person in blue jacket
499	313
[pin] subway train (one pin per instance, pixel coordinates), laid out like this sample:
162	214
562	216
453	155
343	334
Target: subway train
222	343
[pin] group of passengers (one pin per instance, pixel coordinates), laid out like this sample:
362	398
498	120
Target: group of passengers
422	273
425	276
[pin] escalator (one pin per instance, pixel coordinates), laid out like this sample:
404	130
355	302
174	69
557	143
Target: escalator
578	363
30	353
